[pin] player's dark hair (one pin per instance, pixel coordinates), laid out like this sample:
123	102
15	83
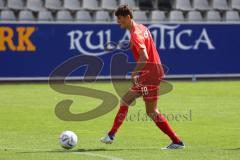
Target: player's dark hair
124	11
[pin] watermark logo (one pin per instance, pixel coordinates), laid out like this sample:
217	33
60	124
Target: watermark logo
140	116
94	66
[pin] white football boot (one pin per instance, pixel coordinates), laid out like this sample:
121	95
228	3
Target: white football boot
107	139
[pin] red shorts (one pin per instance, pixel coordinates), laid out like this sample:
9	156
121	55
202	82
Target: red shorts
147	87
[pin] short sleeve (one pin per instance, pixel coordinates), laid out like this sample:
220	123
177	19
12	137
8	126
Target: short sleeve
138	41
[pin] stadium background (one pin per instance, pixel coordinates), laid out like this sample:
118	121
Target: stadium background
196	38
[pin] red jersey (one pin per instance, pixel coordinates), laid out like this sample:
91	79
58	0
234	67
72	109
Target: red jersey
141	38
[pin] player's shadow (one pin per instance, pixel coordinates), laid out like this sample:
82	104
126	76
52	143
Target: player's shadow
232	149
113	149
86	150
96	150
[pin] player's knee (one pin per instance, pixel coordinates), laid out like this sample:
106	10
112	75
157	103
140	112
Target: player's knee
126	101
151	113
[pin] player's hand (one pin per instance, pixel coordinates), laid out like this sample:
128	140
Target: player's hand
134	78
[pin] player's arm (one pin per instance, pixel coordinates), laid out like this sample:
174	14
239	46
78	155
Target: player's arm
138	41
143	57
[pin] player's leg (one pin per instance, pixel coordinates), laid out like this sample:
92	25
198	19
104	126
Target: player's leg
127	99
162	124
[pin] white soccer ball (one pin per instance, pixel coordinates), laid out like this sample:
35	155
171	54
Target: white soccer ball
68	139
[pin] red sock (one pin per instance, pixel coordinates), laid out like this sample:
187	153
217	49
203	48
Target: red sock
165	127
121	115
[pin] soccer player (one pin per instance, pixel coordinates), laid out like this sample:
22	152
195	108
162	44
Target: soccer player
146	78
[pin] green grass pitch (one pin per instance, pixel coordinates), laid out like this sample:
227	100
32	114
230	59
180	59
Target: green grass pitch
29	129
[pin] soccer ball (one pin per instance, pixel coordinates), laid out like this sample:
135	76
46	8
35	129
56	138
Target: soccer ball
68	139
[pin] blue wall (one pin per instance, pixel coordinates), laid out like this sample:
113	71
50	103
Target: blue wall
184	49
